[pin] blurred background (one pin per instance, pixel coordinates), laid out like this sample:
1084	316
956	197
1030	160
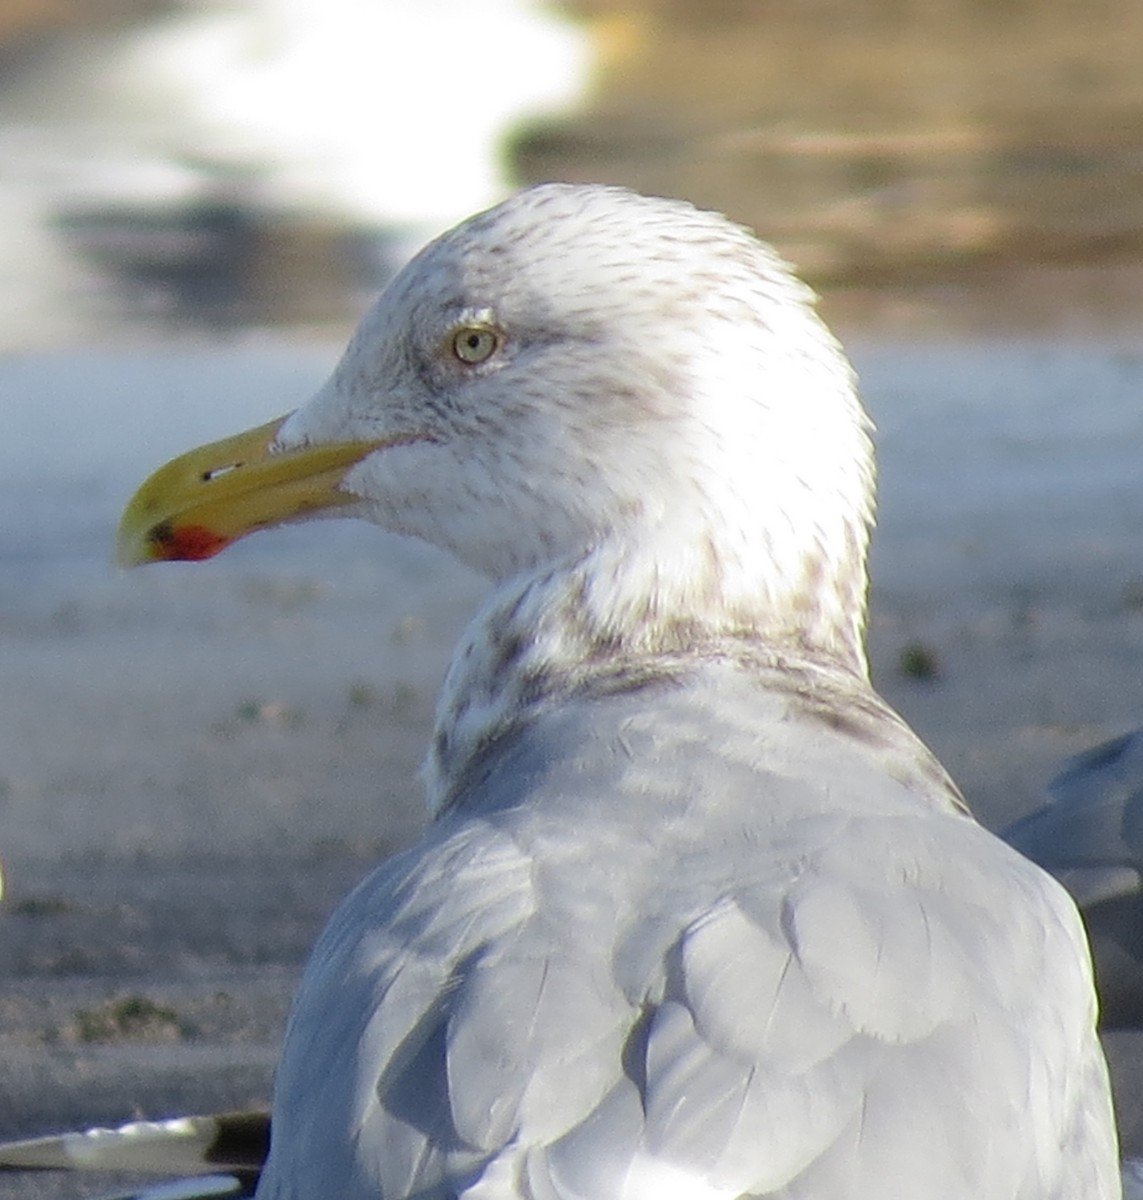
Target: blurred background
212	162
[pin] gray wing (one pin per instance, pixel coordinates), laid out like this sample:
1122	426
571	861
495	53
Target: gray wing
709	979
1090	836
907	1042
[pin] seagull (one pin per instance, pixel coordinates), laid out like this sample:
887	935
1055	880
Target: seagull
697	917
1090	836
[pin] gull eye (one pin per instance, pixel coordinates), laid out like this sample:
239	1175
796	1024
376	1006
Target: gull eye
475	344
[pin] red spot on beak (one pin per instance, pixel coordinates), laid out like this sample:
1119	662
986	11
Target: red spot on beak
192	543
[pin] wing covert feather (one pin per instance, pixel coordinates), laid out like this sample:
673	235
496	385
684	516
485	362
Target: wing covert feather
523	1005
840	999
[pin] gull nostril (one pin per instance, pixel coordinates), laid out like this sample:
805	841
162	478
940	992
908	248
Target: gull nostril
218	472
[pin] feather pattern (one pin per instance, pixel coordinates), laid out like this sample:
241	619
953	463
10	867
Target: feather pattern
802	1015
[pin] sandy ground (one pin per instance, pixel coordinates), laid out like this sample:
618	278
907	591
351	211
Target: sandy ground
196	762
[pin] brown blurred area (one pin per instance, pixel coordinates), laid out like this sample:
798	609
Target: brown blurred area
991	148
24	23
872	139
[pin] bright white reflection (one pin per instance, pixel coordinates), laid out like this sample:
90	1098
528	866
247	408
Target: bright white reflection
383	109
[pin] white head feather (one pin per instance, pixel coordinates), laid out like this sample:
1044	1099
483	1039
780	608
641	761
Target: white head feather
665	445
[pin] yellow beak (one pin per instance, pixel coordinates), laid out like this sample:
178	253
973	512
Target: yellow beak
202	501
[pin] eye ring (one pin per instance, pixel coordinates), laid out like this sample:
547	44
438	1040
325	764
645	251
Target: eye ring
475	344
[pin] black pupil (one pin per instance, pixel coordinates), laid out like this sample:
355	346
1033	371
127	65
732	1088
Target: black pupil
474	341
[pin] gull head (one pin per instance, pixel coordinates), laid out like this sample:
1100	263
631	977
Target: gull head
625	391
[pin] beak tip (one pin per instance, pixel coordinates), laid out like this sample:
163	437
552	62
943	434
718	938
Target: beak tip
130	551
168	543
